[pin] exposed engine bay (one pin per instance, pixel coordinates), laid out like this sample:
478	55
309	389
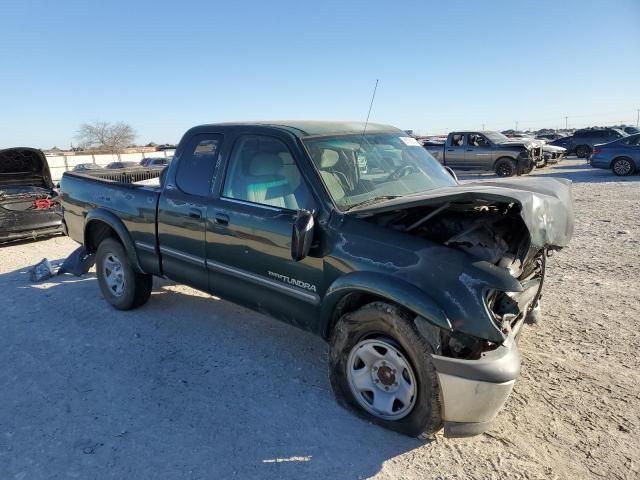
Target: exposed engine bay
489	231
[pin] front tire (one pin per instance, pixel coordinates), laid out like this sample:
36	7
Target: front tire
120	284
381	368
623	166
505	167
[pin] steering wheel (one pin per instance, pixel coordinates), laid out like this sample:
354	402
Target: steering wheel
402	171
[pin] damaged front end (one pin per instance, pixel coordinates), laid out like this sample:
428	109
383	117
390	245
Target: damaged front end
506	231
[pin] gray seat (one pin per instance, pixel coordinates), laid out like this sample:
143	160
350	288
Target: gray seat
266	184
328	161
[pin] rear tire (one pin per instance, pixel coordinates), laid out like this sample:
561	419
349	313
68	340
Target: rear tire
582	151
391	353
120	284
505	167
623	166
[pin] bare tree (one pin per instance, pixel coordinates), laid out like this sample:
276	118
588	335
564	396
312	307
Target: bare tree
110	137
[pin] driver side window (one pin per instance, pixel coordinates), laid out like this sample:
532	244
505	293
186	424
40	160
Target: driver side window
262	170
478	140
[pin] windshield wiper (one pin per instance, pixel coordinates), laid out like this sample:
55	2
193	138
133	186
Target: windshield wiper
372	201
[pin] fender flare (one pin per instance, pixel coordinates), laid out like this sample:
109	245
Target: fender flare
385	286
105	216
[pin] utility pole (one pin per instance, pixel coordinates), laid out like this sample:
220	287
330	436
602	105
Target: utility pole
638	118
516	125
566	123
483	124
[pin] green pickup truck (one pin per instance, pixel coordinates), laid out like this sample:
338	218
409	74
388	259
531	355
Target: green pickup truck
354	232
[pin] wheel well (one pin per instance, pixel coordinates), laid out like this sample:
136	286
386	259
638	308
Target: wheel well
350	303
504	158
95	232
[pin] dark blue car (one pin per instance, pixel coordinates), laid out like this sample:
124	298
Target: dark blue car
621	156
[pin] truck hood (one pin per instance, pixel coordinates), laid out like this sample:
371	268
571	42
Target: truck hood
23	166
523	143
553	148
546	205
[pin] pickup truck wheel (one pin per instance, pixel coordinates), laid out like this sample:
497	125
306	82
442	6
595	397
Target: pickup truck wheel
380	367
121	286
505	167
623	166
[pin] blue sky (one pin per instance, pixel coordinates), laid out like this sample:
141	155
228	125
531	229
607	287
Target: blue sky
163	66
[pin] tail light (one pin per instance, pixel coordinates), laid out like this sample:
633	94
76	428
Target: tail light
42	204
596	151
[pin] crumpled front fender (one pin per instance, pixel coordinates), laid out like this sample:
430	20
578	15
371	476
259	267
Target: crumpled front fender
384	286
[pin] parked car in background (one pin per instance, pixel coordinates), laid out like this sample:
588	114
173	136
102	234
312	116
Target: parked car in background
631	130
155	162
553	154
621	156
488	151
549	137
29	205
420	285
583	140
81	167
117	165
563	142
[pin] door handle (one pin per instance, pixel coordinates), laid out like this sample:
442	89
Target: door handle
222	219
449	149
469	149
195	213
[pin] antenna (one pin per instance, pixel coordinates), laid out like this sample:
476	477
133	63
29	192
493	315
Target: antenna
370	107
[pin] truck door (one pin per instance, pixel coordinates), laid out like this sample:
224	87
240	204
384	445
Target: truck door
182	210
249	232
454	154
479	152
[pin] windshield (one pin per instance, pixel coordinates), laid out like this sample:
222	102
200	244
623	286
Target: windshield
496	137
359	169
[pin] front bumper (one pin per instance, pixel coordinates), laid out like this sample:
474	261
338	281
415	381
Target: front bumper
474	391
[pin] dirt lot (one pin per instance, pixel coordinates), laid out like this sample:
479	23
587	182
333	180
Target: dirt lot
190	386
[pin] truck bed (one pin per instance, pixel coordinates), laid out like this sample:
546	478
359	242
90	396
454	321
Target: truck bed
89	197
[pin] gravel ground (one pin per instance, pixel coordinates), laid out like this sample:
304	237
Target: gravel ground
191	386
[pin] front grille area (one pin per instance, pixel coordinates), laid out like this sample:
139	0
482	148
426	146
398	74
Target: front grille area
508	308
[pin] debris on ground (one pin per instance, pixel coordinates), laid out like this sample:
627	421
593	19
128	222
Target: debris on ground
41	271
78	263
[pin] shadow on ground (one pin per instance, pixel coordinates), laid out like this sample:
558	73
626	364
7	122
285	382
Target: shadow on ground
186	386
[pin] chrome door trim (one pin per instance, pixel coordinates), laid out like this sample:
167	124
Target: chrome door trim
308	297
183	256
145	246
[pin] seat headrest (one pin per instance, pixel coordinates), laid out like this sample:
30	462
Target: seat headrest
329	158
265	164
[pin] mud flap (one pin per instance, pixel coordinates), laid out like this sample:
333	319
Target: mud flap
78	263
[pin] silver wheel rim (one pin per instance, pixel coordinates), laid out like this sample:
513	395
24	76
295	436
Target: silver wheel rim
381	379
622	167
113	275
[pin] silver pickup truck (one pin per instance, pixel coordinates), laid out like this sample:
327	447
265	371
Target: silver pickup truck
488	151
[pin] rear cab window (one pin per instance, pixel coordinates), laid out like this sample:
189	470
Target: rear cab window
197	165
457	139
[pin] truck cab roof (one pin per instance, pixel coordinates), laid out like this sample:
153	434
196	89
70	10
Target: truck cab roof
309	128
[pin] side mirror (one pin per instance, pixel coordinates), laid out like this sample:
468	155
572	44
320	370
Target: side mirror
301	235
452	173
